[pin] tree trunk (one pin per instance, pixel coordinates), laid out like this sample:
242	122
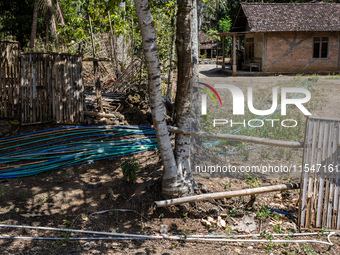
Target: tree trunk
195	95
146	23
183	96
172	53
196	142
60	13
34	24
51	21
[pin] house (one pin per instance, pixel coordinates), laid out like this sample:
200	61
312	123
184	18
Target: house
208	45
287	37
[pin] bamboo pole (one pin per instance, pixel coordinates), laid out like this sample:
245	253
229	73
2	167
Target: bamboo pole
227	194
113	47
99	114
96	74
241	138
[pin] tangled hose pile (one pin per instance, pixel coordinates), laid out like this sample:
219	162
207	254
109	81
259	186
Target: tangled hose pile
51	149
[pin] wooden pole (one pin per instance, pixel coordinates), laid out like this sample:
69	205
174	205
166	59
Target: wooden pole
113	46
96	74
227	194
223	52
234	66
98	114
241	138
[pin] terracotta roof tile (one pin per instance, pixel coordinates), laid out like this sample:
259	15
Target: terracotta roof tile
292	16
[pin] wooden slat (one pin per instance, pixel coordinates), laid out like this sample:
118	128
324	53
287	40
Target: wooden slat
327	191
320	199
311	183
336	222
304	174
332	176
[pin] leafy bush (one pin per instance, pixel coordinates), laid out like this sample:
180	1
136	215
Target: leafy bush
129	168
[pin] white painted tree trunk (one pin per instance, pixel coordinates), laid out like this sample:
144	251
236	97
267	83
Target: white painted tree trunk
195	95
171	184
183	96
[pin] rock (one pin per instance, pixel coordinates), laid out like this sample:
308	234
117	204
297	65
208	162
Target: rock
69	171
221	223
237	251
291	226
184	207
206	223
247	224
203	188
163	229
214	210
211	220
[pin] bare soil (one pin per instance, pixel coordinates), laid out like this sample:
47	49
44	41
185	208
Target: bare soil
69	198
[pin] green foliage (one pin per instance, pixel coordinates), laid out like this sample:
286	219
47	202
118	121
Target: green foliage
225	24
263	213
253	181
129	168
277	228
16	20
2	191
233	212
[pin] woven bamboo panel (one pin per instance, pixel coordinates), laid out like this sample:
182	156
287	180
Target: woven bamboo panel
51	88
320	178
9	79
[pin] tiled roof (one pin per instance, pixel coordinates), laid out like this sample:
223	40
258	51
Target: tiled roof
207	42
292	16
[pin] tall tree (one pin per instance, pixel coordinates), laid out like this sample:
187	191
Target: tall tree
177	179
147	28
50	19
34	24
183	96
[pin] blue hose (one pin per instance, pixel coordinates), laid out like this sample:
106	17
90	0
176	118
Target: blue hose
83	144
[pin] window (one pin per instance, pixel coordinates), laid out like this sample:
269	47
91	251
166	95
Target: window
250	48
320	47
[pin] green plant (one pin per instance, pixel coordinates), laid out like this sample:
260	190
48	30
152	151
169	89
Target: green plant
129	167
185	232
227	185
322	231
263	213
308	250
233	212
277	217
2	191
253	181
269	237
277	228
161	215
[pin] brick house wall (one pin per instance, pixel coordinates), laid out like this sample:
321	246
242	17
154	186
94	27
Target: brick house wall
293	52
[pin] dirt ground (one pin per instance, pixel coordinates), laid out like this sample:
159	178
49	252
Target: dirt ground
96	197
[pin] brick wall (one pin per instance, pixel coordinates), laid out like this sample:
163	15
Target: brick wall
293	52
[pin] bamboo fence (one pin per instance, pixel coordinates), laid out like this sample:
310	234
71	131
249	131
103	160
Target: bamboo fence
9	79
51	88
319	199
